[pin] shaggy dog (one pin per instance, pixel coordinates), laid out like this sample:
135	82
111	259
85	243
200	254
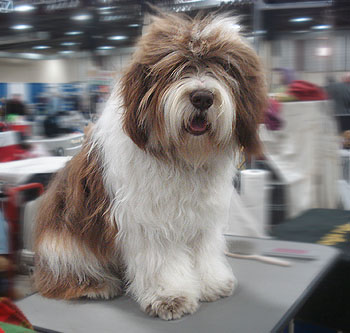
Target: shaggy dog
142	207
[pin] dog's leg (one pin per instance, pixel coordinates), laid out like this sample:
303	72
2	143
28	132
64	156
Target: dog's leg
66	269
216	277
161	277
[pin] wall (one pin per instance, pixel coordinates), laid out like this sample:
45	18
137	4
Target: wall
59	70
299	52
45	71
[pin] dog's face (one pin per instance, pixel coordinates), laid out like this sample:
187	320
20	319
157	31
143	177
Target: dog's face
194	88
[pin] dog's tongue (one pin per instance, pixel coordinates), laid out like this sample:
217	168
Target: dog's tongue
198	124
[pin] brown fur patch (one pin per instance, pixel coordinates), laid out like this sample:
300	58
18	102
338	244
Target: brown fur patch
75	206
70	287
76	202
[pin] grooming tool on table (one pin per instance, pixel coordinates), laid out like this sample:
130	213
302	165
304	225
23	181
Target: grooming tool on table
243	249
291	253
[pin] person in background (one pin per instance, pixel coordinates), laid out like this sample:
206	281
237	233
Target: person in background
2	108
340	93
15	106
286	77
55	104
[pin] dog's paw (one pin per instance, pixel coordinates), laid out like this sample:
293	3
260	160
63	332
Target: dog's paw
169	308
213	291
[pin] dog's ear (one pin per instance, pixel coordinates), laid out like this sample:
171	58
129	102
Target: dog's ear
251	100
134	91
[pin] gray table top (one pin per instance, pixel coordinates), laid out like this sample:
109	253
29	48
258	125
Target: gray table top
267	297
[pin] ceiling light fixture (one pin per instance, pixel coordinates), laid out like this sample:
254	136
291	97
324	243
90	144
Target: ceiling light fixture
68	44
300	19
24	8
73	33
322	27
41	47
21	27
117	37
134	25
31	55
66	52
106	47
81	17
106	8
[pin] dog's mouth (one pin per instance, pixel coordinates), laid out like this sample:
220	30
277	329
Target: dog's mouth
198	125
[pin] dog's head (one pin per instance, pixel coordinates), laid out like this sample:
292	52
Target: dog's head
194	87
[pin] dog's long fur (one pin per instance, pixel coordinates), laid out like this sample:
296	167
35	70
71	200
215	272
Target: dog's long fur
142	207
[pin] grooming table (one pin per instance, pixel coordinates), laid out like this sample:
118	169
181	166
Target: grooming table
266	300
329	305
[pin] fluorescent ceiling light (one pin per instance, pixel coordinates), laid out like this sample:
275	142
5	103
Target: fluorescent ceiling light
41	47
24	8
81	17
321	27
106	8
300	19
66	52
73	33
21	26
68	44
106	47
31	55
117	37
134	25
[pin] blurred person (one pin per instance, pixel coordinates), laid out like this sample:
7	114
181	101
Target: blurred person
330	80
15	106
55	103
2	108
340	93
286	77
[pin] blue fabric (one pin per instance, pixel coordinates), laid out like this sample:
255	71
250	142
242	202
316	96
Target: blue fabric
3	90
4	246
35	90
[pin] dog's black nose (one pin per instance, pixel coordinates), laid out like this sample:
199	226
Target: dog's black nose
202	99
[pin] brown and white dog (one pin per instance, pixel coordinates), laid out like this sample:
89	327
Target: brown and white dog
142	207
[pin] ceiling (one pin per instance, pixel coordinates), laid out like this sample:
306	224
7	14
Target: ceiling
109	25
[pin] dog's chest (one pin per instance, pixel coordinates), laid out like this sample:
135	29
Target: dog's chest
159	196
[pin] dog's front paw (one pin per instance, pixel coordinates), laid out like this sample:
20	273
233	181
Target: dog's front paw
169	308
211	292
